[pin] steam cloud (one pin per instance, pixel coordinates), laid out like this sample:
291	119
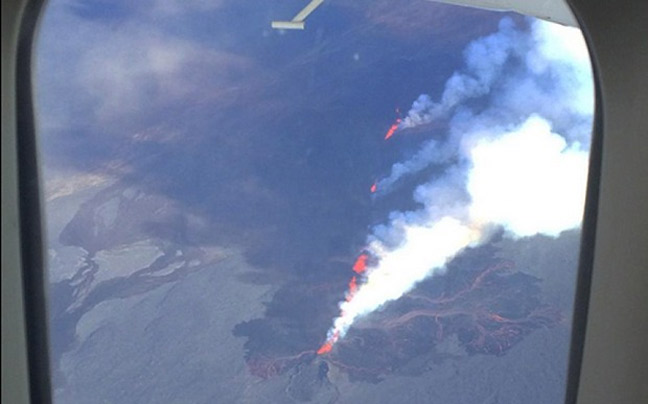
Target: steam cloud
518	163
517	73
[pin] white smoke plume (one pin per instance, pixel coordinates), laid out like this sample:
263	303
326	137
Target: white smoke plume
518	163
516	73
485	59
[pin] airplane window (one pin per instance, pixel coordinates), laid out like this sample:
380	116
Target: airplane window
383	206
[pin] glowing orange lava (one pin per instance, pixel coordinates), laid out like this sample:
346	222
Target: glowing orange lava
353	287
393	128
328	345
326	348
361	264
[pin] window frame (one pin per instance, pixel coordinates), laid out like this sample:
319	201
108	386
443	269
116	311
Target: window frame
27	259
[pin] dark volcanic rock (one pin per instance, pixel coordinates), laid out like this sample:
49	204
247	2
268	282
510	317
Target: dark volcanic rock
479	306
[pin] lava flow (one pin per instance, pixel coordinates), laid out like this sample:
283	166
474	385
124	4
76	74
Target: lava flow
326	348
359	267
373	188
393	128
395	125
361	264
328	345
486	312
266	367
353	287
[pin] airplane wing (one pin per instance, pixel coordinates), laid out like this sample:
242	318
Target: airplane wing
298	21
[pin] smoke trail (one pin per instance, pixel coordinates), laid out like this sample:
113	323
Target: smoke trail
485	59
519	164
515	73
432	152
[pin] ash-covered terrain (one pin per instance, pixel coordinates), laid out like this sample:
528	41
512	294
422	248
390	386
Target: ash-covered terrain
481	305
155	318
